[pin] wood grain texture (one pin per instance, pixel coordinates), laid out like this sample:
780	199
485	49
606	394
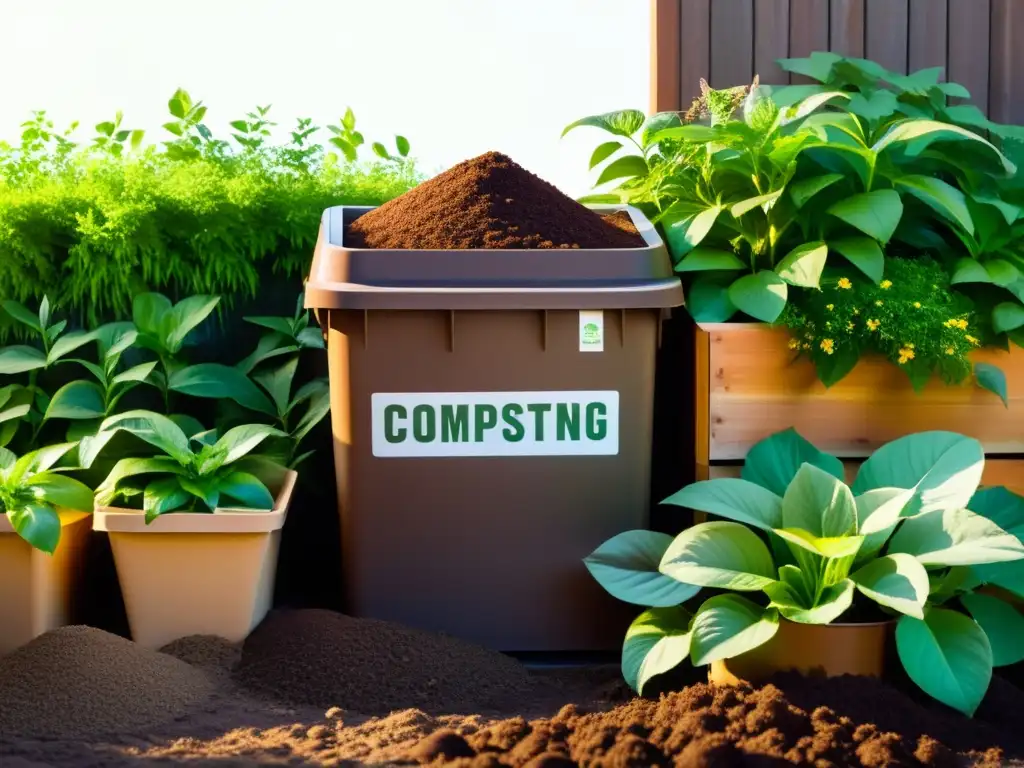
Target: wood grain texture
928	31
1007	472
886	27
695	48
755	388
732	43
846	27
1006	87
808	30
968	38
665	66
771	40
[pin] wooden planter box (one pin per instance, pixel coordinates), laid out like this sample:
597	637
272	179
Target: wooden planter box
749	386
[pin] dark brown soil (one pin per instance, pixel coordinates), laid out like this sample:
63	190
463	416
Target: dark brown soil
489	202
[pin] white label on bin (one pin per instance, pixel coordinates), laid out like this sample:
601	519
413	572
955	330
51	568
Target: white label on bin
495	424
591	330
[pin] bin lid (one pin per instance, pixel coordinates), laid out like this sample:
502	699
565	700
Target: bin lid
344	277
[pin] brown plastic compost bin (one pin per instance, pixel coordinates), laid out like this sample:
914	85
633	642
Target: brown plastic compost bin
457	513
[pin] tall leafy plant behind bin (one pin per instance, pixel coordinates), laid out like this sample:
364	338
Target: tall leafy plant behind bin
794	535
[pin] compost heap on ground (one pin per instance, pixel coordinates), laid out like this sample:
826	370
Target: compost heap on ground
489	202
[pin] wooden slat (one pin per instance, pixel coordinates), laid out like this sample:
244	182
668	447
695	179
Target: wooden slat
886	29
702	391
695	50
968	38
756	389
665	40
928	32
732	43
1008	472
846	27
771	40
1006	89
808	30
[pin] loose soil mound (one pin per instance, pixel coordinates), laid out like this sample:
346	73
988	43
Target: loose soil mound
79	681
326	659
489	202
210	653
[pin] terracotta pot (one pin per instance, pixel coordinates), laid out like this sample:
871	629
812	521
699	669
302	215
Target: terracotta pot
190	573
814	650
35	587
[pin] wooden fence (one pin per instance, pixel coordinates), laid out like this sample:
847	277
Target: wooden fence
979	43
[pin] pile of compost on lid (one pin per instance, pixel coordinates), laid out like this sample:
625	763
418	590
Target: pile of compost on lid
489	202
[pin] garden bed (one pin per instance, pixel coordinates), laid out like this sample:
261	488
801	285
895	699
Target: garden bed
316	688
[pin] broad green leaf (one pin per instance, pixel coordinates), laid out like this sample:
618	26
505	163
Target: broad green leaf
864	253
206	489
125	468
22	314
1007	316
149	311
944	469
812	104
698	134
1008	576
702	259
14	412
629	166
833	603
897	581
38	460
115	338
876	214
819	503
62	491
945	537
278	383
729	625
992	378
625	122
247	489
136	373
239	441
832	547
732	498
948	655
627	567
77	400
319	407
761	295
216	381
155	429
188	424
186	315
995	271
684	235
802	191
402	145
656	642
772	463
1003	625
38	524
745	206
923	132
945	199
818	66
1001	506
656	123
603	152
880	509
20	359
269	345
719	554
876	106
69	342
708	301
804	264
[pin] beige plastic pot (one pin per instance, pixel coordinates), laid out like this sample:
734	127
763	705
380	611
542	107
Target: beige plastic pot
190	573
814	650
36	587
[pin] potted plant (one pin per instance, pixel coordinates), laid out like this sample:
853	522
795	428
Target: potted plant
196	533
815	574
42	533
842	246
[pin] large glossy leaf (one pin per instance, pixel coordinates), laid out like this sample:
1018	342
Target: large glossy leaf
994	271
719	554
132	467
773	462
77	400
603	152
657	641
819	503
216	381
897	581
864	253
1007	316
876	214
948	655
278	383
761	295
702	259
151	313
625	167
69	342
38	524
945	199
20	359
155	429
136	373
1002	507
817	66
63	491
239	441
627	567
760	201
657	122
991	377
833	603
955	537
802	191
247	489
923	132
729	625
944	469
162	496
22	314
708	300
624	122
685	234
881	508
732	498
38	460
803	265
1003	625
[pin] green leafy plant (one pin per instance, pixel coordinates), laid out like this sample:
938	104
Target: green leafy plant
188	473
253	132
31	490
111	137
792	531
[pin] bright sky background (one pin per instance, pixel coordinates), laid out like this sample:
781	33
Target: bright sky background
456	77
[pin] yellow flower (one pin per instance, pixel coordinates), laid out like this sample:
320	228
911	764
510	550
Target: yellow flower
830	307
917	305
972	340
794	344
844	283
907	353
849	326
962	325
828	346
805	346
950	350
878	303
873	325
954	322
885	285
